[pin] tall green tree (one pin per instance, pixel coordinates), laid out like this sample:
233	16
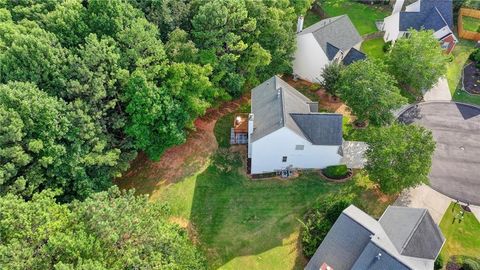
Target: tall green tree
370	92
180	48
399	156
331	78
110	230
417	61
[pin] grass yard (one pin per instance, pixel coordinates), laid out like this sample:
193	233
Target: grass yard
310	18
462	238
374	48
254	224
454	72
471	24
363	16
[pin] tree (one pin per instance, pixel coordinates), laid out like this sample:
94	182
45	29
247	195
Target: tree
370	92
417	61
110	230
179	48
331	78
399	156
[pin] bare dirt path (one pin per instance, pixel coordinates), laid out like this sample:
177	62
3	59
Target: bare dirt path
179	161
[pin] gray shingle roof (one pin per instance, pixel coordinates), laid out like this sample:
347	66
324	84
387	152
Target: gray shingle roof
273	103
338	31
412	231
320	128
347	239
352	56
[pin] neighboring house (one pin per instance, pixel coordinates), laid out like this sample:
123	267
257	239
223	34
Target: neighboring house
286	131
402	239
424	14
330	40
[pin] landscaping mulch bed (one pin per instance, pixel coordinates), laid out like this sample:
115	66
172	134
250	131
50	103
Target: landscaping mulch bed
471	79
338	180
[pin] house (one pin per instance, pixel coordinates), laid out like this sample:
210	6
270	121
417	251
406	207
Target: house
423	14
286	131
330	40
403	238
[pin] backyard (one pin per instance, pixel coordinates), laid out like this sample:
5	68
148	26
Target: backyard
363	16
373	48
463	238
471	24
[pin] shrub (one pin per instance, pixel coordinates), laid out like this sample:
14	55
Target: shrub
319	221
438	263
475	55
386	47
336	172
331	77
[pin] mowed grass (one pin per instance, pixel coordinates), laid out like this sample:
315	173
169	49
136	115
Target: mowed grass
241	223
463	238
471	24
363	16
454	72
374	48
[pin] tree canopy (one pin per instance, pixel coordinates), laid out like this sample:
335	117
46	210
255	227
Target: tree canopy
370	91
110	230
399	156
417	61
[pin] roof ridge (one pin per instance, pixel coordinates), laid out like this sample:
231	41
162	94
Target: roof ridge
322	23
282	101
424	211
318	113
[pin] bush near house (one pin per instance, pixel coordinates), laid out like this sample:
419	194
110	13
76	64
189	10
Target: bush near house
335	172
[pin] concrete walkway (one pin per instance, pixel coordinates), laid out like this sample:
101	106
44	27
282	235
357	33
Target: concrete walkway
439	92
425	197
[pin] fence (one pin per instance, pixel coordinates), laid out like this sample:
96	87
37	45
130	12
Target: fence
464	33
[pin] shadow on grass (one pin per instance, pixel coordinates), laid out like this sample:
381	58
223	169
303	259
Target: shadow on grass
239	220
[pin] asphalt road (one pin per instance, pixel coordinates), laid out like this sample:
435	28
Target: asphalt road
455	168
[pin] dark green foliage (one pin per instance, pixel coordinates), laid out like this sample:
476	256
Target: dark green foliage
331	78
475	56
417	61
439	262
336	172
110	230
399	156
470	264
370	92
319	221
387	46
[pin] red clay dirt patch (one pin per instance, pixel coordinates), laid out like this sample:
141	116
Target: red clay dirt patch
179	161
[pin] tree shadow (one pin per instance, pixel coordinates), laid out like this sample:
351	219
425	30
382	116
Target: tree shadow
410	115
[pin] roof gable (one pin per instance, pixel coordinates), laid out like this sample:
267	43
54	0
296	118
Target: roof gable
273	104
433	15
338	31
331	51
352	56
412	231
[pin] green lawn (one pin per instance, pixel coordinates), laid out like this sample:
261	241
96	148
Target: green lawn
254	224
363	16
310	18
374	48
462	238
471	24
454	72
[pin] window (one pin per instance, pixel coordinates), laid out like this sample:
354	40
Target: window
445	45
284	159
299	147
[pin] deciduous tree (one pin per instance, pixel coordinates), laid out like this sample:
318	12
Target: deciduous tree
370	92
399	156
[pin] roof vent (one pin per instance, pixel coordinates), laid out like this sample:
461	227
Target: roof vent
279	92
378	256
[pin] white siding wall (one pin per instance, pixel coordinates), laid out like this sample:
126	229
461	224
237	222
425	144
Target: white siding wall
267	153
309	59
442	32
391	27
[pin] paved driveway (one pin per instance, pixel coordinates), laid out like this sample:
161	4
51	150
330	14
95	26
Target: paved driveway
456	162
439	92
